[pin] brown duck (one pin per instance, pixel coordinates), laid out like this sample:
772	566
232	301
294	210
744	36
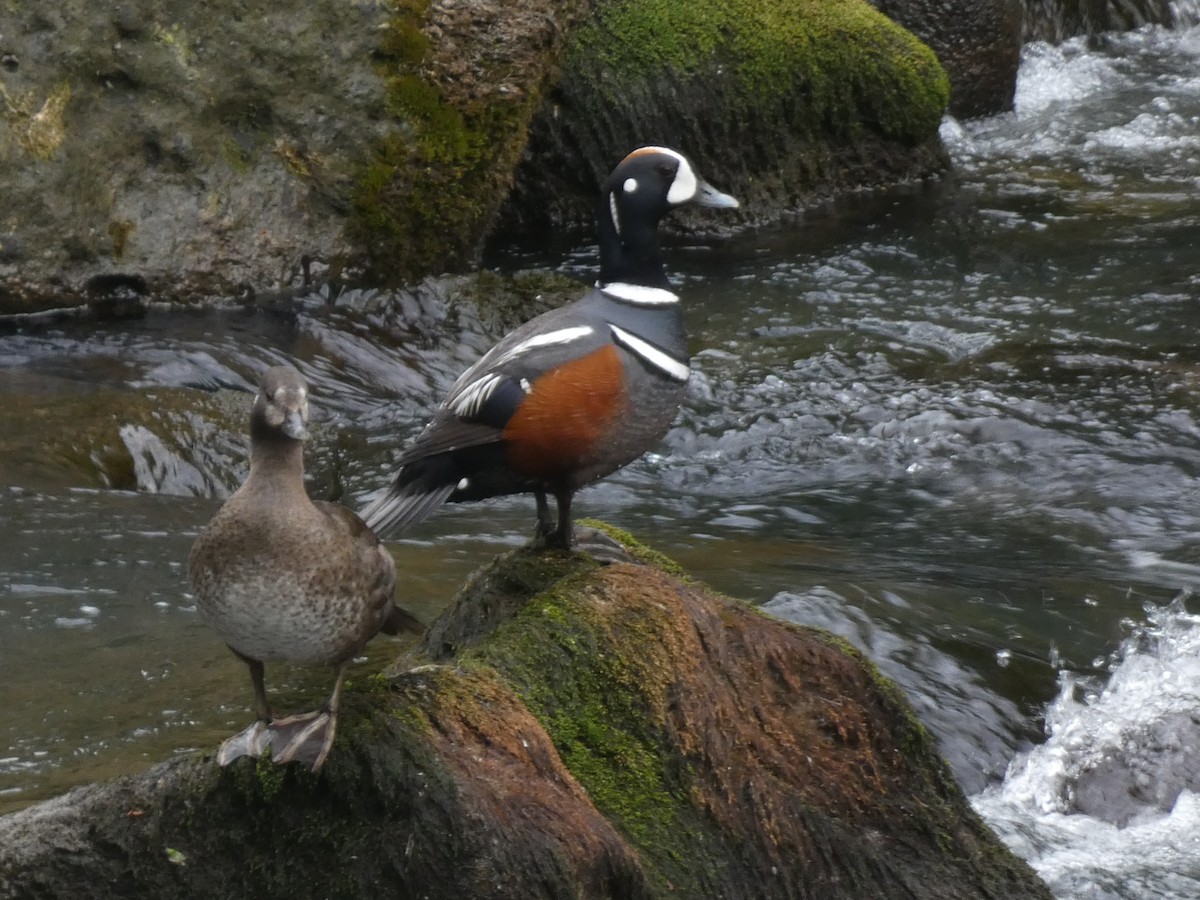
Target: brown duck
281	578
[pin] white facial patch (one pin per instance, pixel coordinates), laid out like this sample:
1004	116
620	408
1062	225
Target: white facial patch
630	185
685	184
463	484
664	362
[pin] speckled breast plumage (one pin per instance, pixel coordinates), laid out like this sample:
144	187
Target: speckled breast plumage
286	586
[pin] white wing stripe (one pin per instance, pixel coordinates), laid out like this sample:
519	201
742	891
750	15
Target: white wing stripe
664	362
474	395
562	336
468	396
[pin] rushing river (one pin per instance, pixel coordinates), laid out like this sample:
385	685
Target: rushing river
957	422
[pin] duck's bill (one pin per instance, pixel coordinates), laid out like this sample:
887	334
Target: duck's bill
707	195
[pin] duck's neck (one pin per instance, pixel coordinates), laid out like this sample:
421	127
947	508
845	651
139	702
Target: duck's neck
631	256
277	464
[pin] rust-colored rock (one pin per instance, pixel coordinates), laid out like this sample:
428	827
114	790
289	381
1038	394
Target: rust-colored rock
568	731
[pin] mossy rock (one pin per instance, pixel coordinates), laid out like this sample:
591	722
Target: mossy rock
462	83
567	730
777	101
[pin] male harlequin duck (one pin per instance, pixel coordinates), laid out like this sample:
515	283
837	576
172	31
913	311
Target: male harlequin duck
281	578
578	392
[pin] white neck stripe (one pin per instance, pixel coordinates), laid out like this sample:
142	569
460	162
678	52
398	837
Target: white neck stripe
639	295
664	362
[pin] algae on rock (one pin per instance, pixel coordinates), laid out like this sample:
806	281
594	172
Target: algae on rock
427	198
566	730
777	101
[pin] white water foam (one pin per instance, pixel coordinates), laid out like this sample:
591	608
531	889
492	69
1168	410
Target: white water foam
1132	98
1056	74
1185	13
1109	806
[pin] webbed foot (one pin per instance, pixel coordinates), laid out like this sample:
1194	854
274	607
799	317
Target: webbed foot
601	546
305	739
254	741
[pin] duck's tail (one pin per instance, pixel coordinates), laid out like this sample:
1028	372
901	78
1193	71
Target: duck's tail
400	620
405	504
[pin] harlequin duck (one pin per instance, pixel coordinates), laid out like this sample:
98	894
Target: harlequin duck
281	578
577	392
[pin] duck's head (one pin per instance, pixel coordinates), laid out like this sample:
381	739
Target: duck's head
645	186
281	406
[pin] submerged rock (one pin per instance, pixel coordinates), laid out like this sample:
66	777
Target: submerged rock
567	730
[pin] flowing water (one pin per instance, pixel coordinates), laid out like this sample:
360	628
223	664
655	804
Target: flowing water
958	423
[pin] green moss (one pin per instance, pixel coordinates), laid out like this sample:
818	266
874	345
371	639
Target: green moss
270	777
838	65
602	700
120	230
424	199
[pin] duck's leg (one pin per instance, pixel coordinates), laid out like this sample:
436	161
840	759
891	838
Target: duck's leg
308	738
596	544
561	538
545	527
255	740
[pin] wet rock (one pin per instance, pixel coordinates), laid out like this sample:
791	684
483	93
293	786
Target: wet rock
232	150
466	77
776	103
1057	20
211	151
1146	773
978	42
185	146
585	731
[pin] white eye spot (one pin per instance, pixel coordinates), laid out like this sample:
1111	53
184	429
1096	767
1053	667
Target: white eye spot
463	484
630	185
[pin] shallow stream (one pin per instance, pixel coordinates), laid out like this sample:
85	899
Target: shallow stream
957	422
